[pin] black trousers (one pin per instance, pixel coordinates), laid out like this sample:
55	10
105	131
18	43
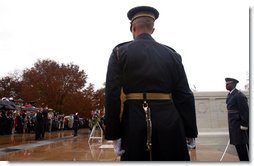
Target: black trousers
242	151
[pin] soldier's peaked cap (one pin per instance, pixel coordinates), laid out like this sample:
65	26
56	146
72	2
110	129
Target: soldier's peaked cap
231	80
142	11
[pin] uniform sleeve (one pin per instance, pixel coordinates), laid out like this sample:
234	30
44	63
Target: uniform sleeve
112	98
183	99
242	103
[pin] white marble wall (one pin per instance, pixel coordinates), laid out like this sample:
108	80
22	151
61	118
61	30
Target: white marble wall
211	110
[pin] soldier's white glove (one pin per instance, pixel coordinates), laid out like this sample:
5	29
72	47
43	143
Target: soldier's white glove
243	128
191	143
117	147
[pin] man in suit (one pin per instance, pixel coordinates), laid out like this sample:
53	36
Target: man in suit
39	125
238	119
76	124
159	111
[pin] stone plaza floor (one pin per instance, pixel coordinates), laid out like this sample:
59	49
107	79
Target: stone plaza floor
62	146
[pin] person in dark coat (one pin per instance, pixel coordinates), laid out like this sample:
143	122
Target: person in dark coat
9	122
238	119
45	121
39	125
20	124
159	111
3	122
75	124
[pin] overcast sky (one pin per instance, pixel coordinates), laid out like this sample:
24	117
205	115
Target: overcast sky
212	36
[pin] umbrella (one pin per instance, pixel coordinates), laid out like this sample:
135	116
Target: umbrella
7	105
29	107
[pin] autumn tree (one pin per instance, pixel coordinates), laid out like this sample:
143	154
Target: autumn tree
10	86
75	103
88	101
58	86
50	83
99	98
85	102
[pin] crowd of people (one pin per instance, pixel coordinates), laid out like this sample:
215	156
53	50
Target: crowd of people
157	120
30	119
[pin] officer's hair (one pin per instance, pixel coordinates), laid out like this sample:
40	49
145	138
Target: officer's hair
144	23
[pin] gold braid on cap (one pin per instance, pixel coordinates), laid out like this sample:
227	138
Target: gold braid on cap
143	15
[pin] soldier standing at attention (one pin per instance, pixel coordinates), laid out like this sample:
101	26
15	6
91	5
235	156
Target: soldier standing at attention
159	112
238	119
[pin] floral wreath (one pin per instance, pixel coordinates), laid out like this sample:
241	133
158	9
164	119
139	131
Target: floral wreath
95	117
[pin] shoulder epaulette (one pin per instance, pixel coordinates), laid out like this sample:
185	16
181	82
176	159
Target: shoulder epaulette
116	49
122	43
170	48
175	53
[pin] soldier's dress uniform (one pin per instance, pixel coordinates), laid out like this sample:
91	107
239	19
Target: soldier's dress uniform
146	66
238	115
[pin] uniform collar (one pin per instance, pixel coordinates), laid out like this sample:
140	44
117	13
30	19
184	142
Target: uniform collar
146	36
232	91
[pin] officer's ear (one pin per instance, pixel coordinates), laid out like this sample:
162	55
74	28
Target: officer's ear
134	28
131	26
152	31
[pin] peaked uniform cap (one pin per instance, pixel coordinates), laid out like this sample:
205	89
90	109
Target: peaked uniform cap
231	80
142	11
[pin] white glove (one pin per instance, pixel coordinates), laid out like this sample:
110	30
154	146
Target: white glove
191	143
243	128
117	147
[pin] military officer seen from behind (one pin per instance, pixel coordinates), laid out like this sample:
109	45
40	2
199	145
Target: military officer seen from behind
238	119
159	111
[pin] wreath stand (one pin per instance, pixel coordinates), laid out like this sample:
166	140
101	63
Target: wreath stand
96	133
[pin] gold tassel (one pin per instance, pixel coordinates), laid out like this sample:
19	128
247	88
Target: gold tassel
122	98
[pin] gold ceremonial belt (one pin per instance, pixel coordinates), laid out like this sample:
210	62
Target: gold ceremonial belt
148	96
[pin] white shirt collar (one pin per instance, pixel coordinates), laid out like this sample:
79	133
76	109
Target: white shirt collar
232	91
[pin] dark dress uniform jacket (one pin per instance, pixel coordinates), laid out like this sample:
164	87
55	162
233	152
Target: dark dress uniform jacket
238	114
143	65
